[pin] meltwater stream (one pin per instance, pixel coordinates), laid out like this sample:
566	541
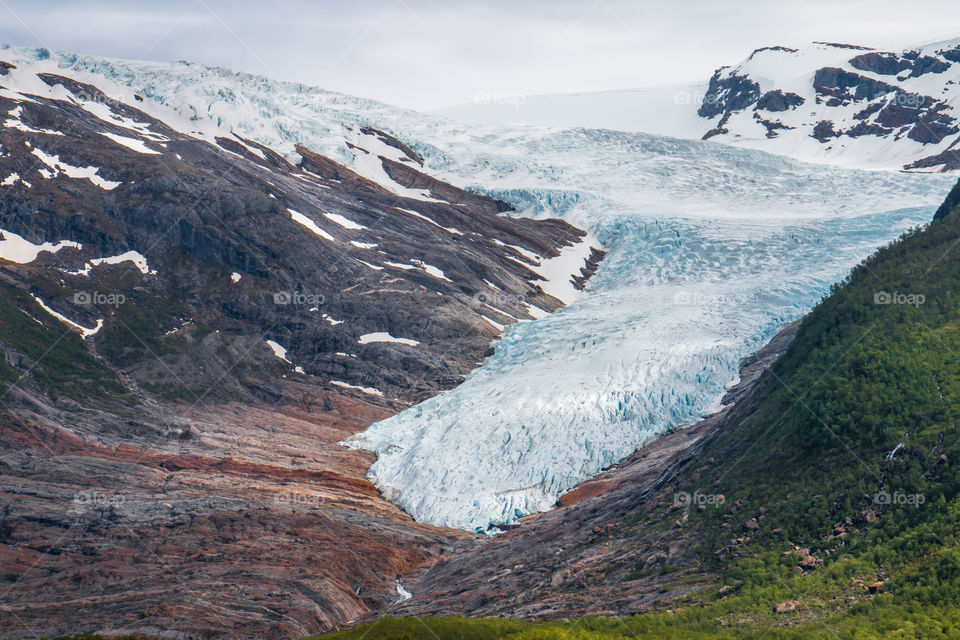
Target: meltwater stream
710	249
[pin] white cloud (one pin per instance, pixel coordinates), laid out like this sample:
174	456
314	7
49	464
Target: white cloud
430	53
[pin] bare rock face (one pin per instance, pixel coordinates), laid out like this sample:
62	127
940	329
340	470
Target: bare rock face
779	101
255	524
190	325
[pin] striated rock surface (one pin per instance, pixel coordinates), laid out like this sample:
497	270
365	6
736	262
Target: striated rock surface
190	323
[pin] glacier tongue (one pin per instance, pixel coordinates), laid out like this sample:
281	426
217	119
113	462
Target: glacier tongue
710	249
671	312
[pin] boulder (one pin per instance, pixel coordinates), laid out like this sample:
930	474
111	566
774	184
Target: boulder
785	607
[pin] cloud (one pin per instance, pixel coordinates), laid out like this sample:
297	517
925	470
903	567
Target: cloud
429	53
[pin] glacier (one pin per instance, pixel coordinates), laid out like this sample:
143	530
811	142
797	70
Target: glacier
710	249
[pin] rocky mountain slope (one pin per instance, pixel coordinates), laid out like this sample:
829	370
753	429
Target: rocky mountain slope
821	502
190	323
824	102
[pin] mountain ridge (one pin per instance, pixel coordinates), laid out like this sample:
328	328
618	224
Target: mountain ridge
790	101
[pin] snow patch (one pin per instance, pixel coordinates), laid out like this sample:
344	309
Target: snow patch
131	143
368	390
416	214
402	593
432	270
346	223
367	264
383	336
278	351
14	248
84	332
311	225
89	173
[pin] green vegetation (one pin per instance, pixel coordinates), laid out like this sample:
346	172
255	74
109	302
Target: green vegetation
55	358
852	452
134	330
846	460
665	626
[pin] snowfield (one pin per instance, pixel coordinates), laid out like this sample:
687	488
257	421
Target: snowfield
710	249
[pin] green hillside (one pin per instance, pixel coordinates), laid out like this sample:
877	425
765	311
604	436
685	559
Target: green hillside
839	475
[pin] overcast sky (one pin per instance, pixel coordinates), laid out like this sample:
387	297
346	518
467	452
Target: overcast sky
432	53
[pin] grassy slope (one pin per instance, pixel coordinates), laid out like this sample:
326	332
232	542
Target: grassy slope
56	358
810	453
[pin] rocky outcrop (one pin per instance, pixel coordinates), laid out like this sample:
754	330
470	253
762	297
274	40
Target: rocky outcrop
728	93
890	64
948	160
899	96
779	101
235	521
951	203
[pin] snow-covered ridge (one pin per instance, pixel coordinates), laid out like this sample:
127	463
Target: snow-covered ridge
783	100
